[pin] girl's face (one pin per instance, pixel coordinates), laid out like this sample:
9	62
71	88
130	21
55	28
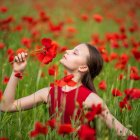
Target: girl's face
76	58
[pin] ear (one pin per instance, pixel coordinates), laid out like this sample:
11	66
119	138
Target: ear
83	68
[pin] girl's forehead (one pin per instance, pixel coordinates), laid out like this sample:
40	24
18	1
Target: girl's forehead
82	48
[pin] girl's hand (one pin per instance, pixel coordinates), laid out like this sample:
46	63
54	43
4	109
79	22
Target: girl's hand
20	62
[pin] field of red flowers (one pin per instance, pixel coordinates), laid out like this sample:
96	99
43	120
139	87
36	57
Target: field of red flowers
112	26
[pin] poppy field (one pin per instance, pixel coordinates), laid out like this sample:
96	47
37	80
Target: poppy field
46	29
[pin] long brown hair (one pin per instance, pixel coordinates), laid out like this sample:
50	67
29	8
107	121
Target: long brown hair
95	65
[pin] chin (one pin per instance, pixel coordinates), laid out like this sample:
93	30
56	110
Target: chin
61	61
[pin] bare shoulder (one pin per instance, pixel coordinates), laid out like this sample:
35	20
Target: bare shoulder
93	99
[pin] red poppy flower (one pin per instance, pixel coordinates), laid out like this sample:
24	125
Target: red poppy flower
125	104
134	69
65	129
71	31
6	21
10	51
1	93
3	138
28	19
49	51
132	93
62	49
113	56
26	42
86	133
106	57
39	129
102	85
53	70
122	61
125	44
98	18
95	110
120	76
114	44
6	79
136	54
3	9
11	58
55	28
132	138
43	16
84	17
122	29
18	28
51	123
2	45
46	42
116	92
67	80
20	50
134	76
19	75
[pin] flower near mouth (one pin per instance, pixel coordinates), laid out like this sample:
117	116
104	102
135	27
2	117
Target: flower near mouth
49	51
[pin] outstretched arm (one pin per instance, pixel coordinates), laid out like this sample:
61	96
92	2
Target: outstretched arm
8	102
112	122
106	116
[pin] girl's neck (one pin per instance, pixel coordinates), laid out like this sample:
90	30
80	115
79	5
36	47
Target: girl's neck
68	88
76	78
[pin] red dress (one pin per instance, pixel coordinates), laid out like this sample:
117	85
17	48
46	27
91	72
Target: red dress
68	104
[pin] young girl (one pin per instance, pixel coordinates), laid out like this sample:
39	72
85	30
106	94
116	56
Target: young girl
85	63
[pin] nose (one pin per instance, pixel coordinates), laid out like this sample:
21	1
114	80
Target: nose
67	51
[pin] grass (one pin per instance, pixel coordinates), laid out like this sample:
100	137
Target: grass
17	125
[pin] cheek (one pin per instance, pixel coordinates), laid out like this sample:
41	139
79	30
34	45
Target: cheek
72	62
75	62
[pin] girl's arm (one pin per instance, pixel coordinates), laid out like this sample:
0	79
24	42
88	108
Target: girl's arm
112	122
9	103
106	116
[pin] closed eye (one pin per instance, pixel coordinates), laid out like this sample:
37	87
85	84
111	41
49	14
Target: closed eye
75	53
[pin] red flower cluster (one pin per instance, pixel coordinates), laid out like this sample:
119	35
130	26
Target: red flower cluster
43	129
136	54
98	18
49	51
53	70
19	75
95	110
3	138
20	50
122	61
132	138
134	73
102	85
67	80
39	129
131	93
65	129
86	133
2	45
116	92
51	123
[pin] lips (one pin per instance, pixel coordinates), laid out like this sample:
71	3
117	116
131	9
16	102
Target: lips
65	56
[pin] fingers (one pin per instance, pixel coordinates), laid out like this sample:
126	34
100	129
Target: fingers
20	57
